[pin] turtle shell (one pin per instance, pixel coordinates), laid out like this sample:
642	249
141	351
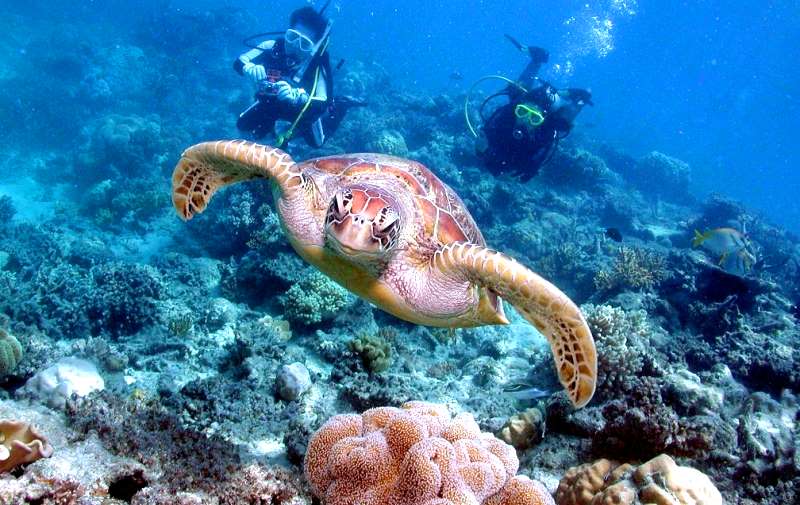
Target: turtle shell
443	216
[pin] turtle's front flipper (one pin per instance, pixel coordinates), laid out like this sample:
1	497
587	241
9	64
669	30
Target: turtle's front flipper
540	302
206	167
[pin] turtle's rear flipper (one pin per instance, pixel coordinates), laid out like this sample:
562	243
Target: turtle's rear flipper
206	167
540	302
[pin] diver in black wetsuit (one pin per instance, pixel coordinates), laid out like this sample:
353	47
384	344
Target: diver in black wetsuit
518	137
294	83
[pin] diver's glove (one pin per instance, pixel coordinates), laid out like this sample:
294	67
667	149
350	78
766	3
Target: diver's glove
289	94
256	72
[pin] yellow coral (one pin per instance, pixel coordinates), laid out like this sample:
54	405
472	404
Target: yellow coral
633	268
10	353
659	481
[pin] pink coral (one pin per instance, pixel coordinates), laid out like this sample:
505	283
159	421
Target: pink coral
415	455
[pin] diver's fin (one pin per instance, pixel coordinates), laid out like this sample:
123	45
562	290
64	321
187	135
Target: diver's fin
517	43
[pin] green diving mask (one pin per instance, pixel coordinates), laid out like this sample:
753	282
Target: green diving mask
528	112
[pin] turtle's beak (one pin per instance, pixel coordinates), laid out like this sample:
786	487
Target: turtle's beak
353	237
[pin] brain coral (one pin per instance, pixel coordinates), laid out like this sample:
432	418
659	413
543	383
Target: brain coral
658	482
415	455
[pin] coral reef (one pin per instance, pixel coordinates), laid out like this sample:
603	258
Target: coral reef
156	462
374	350
644	424
659	481
199	330
633	268
124	298
389	142
767	435
577	169
121	146
10	352
56	384
144	430
660	175
7	210
293	380
416	454
524	430
314	299
21	443
242	220
621	338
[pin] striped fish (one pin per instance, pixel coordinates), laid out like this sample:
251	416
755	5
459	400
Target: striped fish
730	246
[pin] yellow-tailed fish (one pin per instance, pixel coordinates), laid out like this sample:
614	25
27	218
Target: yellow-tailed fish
730	246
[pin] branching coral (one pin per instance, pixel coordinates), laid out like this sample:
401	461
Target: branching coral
657	482
20	443
375	351
314	299
633	268
414	455
620	338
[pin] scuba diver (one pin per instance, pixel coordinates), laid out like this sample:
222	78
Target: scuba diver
519	136
294	82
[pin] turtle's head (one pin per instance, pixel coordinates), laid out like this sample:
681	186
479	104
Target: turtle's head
363	223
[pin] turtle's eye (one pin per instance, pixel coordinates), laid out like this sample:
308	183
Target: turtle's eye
386	227
340	207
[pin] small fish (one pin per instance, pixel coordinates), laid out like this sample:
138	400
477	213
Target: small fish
796	311
730	245
523	391
614	234
456	76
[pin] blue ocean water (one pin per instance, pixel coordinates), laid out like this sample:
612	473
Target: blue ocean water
707	82
213	336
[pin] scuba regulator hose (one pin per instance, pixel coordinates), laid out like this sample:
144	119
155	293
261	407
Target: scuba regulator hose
472	88
282	139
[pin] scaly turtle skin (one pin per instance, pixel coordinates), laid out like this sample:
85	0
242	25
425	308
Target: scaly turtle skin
390	231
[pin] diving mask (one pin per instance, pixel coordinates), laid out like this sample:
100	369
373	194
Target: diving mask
299	40
531	113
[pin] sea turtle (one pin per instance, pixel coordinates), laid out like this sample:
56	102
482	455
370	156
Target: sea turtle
390	231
